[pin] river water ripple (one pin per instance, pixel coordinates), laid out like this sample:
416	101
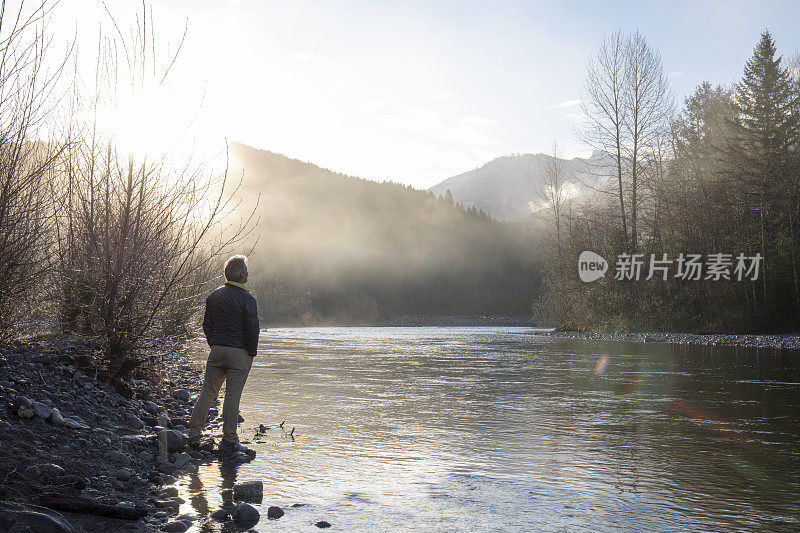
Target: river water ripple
497	429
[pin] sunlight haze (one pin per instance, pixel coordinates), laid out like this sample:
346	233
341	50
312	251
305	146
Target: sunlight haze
413	92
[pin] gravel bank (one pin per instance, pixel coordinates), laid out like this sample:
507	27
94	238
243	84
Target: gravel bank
65	433
788	341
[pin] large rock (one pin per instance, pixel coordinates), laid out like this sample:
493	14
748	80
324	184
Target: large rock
41	410
248	491
21	517
122	475
176	441
245	515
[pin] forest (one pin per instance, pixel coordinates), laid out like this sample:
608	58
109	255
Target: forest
719	175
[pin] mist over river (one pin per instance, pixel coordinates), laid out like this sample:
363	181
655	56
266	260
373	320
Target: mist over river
498	429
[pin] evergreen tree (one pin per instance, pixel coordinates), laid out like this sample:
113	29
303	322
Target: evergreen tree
765	130
764	101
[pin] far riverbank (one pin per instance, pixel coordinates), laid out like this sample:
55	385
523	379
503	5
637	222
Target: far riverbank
784	341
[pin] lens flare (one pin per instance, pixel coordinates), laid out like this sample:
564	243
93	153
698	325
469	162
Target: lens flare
637	379
601	364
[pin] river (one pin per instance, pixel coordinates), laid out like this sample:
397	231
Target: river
498	429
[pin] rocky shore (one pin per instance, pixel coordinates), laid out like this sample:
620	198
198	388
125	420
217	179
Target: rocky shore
80	456
787	341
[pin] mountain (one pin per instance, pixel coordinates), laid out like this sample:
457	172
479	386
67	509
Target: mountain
506	186
342	249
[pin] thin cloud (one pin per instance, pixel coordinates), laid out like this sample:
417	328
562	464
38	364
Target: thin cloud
476	121
566	103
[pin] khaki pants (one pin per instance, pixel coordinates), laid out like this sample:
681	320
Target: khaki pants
225	363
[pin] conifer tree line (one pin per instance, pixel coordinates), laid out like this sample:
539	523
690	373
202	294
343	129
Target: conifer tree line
721	174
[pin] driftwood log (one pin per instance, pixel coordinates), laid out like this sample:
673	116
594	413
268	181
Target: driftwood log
78	504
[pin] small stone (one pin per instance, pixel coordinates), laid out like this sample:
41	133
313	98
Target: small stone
182	459
76	482
151	407
220	514
166	467
118	457
176	527
25	412
136	423
172	492
248	491
274	512
32	472
27	434
241	418
56	418
122	475
182	395
144	455
51	471
74	424
322	524
168	504
41	410
245	515
20	402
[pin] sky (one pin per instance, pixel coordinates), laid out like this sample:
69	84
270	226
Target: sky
415	91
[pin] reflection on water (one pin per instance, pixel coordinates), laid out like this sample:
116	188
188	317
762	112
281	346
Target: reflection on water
497	429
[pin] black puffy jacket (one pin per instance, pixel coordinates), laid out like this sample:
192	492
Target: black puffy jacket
231	319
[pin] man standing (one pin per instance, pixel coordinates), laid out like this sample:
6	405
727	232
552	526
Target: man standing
231	328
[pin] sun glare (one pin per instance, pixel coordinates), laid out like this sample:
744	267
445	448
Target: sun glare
147	125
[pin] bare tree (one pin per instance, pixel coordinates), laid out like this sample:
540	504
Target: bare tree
139	236
648	107
628	104
603	104
553	194
26	106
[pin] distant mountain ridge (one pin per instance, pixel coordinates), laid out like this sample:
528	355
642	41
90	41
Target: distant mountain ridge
340	249
505	187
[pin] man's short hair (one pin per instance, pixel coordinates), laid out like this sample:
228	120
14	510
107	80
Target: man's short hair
235	267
